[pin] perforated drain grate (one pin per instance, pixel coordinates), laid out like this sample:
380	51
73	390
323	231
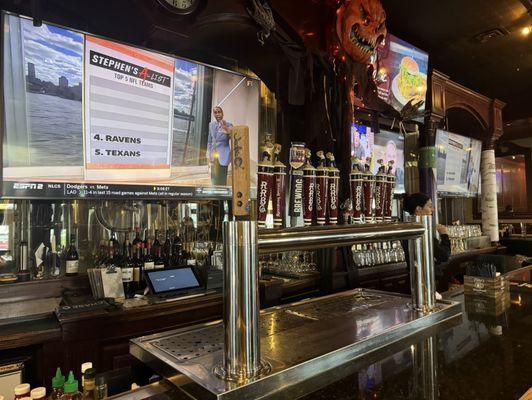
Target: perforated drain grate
192	344
189	345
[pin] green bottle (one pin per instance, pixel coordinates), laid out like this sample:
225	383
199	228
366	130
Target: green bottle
57	385
71	389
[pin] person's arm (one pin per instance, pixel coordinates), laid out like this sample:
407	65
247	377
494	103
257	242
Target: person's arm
442	248
227	130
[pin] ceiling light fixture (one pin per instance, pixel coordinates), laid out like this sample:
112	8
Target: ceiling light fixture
526	30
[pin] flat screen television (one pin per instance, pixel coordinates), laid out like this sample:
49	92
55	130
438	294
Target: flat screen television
402	72
458	164
385	145
90	117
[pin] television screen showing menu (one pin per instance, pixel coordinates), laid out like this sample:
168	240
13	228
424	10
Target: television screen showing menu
402	72
458	163
385	145
89	117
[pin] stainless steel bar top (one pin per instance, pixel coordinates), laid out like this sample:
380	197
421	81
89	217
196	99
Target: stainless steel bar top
312	237
301	341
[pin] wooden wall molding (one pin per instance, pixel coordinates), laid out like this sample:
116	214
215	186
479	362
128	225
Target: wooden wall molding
446	94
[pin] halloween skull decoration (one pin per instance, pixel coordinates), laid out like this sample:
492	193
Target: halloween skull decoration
360	26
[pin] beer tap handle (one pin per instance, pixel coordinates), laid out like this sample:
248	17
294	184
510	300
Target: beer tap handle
240	171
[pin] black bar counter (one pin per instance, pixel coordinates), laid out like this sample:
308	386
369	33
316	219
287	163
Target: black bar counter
479	355
483	356
518	244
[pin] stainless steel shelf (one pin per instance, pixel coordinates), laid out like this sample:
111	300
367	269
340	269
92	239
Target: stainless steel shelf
309	238
301	341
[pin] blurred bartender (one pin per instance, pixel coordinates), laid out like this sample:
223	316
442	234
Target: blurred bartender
421	204
218	148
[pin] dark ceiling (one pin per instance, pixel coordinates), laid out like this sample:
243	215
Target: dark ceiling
499	68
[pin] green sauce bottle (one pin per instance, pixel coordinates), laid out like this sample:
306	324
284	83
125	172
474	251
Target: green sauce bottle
71	389
57	385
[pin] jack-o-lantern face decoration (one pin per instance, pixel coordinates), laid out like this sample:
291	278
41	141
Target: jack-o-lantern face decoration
360	26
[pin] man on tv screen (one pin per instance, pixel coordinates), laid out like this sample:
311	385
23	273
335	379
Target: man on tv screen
358	147
218	148
390	154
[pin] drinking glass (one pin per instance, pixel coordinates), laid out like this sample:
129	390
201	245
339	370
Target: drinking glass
312	264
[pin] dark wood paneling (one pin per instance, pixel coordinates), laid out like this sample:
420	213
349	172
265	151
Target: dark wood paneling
458	96
370	284
115	356
29	333
40	289
103	337
446	95
387	284
438	93
402	284
512	184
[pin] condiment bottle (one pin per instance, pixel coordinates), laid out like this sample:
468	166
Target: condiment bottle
38	393
71	389
89	384
57	385
100	392
85	366
21	391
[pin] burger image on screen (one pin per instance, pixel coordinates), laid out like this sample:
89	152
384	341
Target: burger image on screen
412	84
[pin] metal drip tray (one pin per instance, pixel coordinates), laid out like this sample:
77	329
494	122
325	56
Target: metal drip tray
192	344
336	307
197	343
280	321
300	341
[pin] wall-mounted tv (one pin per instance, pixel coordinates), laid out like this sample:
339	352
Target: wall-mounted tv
458	164
385	145
402	72
89	117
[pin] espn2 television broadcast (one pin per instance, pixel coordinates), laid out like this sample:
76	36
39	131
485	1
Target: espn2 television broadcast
105	119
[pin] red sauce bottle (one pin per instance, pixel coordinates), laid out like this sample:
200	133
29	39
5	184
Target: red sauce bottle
21	391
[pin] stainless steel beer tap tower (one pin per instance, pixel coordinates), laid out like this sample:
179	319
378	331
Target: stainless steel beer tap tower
422	283
290	350
241	304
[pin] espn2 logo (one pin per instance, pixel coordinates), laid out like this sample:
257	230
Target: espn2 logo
28	186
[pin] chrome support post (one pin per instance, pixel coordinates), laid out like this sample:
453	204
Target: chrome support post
241	303
422	283
425	369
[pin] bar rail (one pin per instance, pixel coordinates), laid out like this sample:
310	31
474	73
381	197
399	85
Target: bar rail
308	238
